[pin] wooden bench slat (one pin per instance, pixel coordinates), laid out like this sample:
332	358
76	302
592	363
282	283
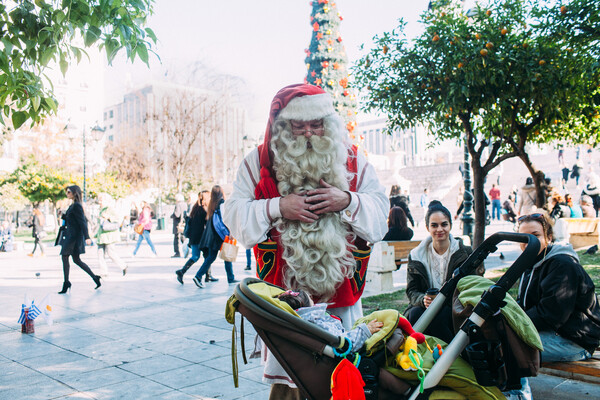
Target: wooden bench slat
589	367
402	250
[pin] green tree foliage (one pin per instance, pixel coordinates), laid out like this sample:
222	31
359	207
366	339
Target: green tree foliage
492	77
110	183
38	182
11	198
326	60
37	33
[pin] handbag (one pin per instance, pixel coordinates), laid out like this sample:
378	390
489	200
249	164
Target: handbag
228	252
108	226
219	226
138	228
60	236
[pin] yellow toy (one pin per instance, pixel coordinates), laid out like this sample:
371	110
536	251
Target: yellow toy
403	358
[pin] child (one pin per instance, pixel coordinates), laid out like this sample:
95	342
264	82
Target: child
282	387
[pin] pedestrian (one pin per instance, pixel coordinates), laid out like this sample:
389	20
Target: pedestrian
576	211
6	237
592	190
587	207
398	199
509	206
398	227
496	205
248	260
177	217
108	235
145	221
559	296
527	197
194	229
213	237
561	154
430	265
74	237
565	175
425	198
304	198
37	231
576	172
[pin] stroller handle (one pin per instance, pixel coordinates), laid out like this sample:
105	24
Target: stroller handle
468	267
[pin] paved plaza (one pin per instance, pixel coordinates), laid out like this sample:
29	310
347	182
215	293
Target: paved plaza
142	336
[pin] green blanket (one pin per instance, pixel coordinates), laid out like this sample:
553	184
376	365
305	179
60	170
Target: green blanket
473	286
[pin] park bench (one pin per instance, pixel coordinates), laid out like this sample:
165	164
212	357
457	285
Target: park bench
583	232
386	257
585	371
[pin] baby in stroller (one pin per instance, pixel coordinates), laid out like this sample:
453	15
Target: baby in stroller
282	387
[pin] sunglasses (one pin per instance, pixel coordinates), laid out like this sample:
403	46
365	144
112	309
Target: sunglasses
531	217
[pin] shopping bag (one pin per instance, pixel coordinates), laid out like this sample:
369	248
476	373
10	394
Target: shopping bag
228	252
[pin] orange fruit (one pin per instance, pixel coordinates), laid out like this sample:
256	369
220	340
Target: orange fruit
483	52
542	62
563	10
489	45
460	65
525	45
504	31
477	36
385	49
435	38
488	13
443	14
447	115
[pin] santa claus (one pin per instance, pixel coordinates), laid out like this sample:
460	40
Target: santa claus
309	203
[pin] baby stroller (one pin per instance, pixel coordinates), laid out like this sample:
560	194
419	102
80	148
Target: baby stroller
307	352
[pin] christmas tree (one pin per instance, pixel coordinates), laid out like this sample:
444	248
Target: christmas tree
326	60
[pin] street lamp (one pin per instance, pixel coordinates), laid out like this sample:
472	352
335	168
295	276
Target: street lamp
97	133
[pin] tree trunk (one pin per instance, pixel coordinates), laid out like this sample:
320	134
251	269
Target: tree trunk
538	179
479	202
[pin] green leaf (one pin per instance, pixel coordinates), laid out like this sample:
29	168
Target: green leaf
18	118
142	52
91	35
35	101
50	101
59	16
150	33
64	66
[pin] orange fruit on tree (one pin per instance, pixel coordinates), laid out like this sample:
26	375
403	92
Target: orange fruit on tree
385	49
483	52
525	45
488	13
542	62
489	45
563	10
460	65
504	31
435	38
477	36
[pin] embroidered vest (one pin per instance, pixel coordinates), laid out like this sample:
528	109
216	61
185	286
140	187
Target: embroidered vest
270	263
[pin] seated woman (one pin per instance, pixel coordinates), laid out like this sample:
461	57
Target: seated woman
576	211
559	296
430	265
558	207
398	227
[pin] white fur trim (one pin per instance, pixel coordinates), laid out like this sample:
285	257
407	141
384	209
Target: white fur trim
308	108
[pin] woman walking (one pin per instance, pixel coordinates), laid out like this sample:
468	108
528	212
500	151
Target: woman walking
213	237
108	234
194	230
145	220
74	238
37	231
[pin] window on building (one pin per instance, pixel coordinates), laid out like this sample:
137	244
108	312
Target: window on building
111	114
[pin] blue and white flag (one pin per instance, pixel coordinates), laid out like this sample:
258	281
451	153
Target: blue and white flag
22	317
34	312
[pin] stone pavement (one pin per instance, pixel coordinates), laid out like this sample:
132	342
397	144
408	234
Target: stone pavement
142	336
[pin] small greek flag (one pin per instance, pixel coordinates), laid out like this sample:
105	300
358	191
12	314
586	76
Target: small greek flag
34	312
22	317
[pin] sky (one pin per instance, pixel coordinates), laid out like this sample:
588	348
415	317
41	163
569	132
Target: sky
260	41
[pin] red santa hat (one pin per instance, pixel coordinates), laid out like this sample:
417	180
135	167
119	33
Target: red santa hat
301	102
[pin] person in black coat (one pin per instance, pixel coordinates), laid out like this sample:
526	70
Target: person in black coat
212	240
74	238
399	200
559	296
194	229
397	224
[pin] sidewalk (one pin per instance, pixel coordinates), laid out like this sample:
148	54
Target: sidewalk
142	336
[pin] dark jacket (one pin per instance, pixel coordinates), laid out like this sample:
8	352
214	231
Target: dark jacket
180	207
210	239
76	231
558	295
197	225
402	202
560	210
395	233
417	277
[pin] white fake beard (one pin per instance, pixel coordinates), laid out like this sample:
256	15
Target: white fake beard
318	254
